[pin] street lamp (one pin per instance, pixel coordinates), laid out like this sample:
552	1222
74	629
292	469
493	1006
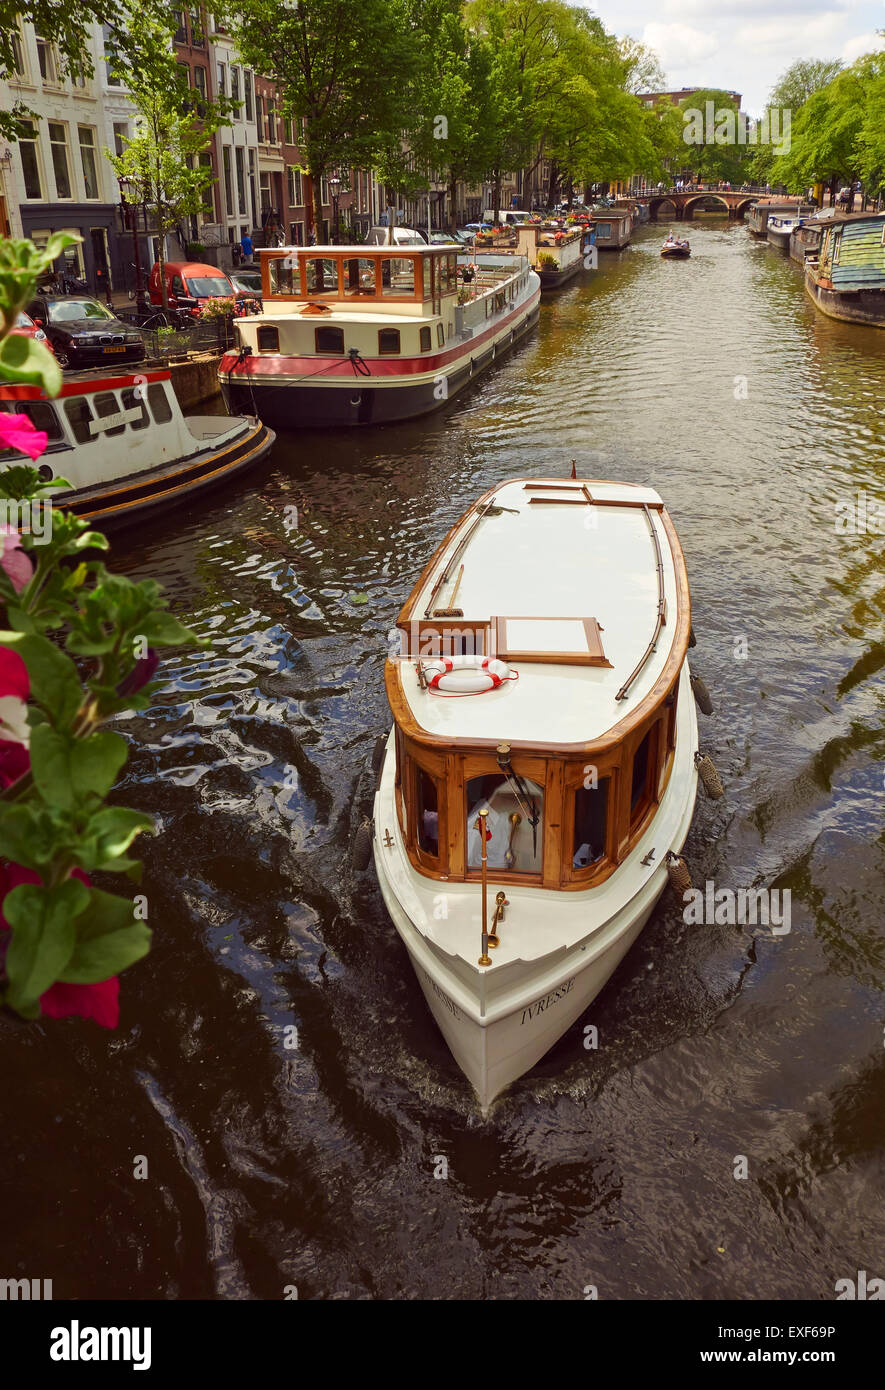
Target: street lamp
335	190
129	217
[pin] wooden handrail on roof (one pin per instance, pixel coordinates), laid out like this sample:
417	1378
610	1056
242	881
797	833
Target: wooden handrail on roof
662	608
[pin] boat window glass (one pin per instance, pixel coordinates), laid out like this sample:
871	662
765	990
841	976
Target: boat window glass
130	401
451	272
268	338
321	276
512	845
329	339
106	404
591	818
440	335
42	417
283	276
160	407
639	786
398	276
79	415
359	276
428	813
426	341
388	341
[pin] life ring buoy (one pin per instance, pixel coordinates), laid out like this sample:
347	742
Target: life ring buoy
467	675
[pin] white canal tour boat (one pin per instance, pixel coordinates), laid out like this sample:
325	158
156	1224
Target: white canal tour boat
366	335
542	691
121	441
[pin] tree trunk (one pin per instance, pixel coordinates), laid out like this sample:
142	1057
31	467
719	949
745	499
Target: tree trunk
496	199
552	184
161	257
453	194
316	176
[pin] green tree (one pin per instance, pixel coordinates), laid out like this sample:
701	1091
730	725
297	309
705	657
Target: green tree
173	130
343	68
790	92
714	149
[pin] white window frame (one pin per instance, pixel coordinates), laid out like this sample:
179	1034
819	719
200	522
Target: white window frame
68	163
93	148
41	172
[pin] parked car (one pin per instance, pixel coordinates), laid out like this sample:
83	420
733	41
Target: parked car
83	333
402	236
247	283
443	239
477	227
25	327
189	284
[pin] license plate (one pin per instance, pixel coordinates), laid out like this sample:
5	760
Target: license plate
114	349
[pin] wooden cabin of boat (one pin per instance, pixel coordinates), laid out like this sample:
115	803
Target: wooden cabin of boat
847	279
757	214
806	238
589	726
614	228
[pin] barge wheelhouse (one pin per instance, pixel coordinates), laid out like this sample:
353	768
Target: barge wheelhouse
846	279
362	335
551	705
121	441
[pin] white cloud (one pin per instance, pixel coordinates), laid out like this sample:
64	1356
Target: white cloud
785	35
679	44
864	43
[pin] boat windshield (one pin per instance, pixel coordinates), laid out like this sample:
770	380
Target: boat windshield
67	310
513	843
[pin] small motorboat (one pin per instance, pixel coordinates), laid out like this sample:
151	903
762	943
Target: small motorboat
119	438
677	247
539	781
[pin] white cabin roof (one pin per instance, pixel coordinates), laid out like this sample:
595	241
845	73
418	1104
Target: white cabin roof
554	560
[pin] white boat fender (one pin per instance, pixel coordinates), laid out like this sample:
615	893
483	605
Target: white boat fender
467	675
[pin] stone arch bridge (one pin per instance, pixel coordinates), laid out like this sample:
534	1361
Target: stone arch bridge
685	204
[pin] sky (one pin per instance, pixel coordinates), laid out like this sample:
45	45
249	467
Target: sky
744	45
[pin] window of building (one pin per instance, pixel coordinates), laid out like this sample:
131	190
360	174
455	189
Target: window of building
397	276
514	844
205	162
294	187
591	821
288	131
321	276
427	808
30	160
121	135
247	86
180	30
87	159
19	66
159	405
324	190
46	60
241	179
296	234
58	145
359	276
200	84
268	338
388	341
329	339
228	188
426	342
235	84
264	183
259	116
222	80
271	122
198	38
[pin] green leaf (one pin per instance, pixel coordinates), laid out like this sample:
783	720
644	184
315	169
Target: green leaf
109	939
96	762
111	832
24	838
51	766
44	933
161	629
55	683
67	769
26	360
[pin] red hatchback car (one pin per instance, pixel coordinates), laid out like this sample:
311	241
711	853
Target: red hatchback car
27	328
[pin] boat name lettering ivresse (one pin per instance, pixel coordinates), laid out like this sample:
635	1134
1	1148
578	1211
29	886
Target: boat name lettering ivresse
541	1004
450	1005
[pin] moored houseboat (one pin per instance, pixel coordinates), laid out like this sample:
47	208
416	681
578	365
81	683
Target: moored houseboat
780	228
847	278
360	335
805	238
556	253
122	443
540	777
614	228
757	214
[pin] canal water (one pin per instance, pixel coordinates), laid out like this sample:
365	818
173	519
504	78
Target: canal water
276	1065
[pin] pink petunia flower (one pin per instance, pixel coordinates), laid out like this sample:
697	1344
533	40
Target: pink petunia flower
15	688
15	561
17	432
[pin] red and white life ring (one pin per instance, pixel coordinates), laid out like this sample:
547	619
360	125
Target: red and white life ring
467	675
